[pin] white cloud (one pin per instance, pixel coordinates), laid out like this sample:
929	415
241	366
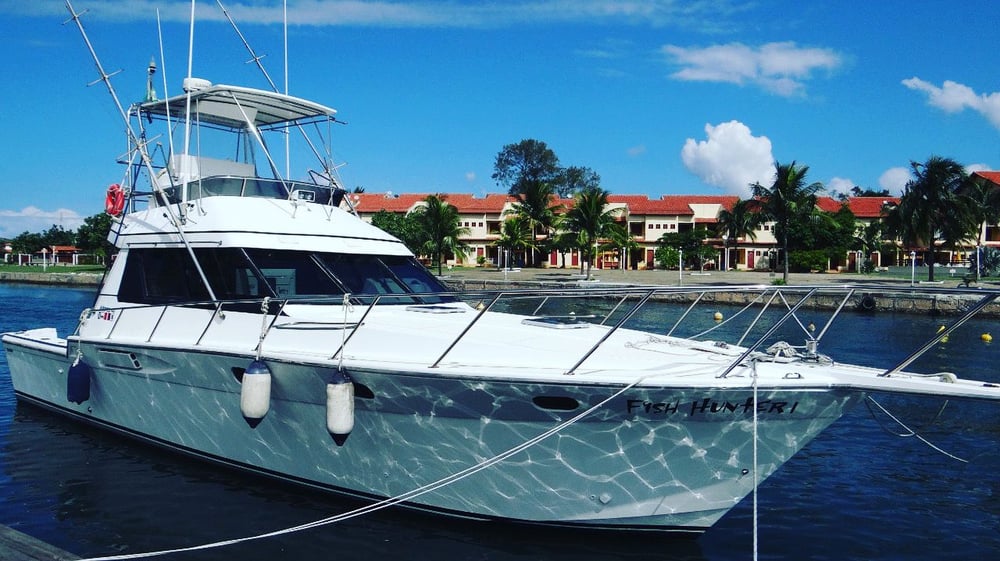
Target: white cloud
894	179
780	68
731	158
423	13
470	176
953	97
33	219
636	151
839	185
972	168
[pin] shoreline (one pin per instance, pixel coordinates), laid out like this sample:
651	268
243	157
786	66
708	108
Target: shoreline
478	278
59	279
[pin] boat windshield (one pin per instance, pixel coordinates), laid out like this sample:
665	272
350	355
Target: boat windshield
168	275
232	186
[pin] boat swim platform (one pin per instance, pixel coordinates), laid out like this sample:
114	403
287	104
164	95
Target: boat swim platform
18	546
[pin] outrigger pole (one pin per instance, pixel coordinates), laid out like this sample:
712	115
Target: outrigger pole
140	146
256	59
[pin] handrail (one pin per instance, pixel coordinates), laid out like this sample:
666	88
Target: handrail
764	297
934	340
789	314
475	320
620	323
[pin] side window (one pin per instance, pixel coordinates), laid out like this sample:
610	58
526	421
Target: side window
362	274
293	273
414	275
230	274
159	276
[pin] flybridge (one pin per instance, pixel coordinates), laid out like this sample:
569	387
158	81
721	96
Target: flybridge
234	107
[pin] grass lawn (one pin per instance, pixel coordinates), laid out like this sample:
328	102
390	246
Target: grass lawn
52	269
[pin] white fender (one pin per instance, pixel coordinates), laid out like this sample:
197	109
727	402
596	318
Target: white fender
340	408
255	395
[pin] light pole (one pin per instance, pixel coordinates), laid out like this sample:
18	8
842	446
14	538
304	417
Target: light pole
680	267
913	267
725	247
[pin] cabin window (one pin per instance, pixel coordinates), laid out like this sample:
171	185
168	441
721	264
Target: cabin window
169	275
293	273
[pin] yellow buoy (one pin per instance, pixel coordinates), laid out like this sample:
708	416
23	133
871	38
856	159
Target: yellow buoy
945	338
986	337
718	316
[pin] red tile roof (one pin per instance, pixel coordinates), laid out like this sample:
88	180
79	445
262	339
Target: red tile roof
862	207
642	205
991	176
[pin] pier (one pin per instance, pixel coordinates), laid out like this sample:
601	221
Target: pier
18	546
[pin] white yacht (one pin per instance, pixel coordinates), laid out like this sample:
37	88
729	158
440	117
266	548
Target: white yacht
257	322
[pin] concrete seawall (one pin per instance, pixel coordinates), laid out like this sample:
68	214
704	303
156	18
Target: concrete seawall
65	279
879	297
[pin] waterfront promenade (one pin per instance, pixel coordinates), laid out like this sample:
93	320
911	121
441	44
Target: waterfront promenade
489	275
473	276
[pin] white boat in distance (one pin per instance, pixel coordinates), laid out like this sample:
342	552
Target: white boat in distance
255	321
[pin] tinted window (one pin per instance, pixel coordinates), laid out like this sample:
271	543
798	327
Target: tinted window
169	275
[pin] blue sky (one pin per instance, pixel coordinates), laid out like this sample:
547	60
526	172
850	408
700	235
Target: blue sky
658	97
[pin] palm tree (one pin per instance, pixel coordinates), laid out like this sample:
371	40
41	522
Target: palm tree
535	205
930	209
869	240
740	222
620	240
983	203
590	219
515	235
530	170
786	200
441	228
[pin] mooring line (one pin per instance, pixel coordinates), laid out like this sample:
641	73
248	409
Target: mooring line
385	503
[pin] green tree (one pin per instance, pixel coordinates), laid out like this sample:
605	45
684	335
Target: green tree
403	226
869	240
740	222
591	220
931	209
826	236
787	199
668	257
575	180
983	202
27	242
92	236
441	229
690	243
530	171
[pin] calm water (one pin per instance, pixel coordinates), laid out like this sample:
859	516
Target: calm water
856	492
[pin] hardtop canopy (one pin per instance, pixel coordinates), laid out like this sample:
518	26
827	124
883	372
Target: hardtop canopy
225	106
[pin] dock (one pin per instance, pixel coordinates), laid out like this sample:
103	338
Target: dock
18	546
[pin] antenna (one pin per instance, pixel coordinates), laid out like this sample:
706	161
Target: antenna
170	129
140	146
150	70
185	171
288	156
255	58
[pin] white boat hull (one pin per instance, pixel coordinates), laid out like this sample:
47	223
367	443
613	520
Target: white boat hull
665	457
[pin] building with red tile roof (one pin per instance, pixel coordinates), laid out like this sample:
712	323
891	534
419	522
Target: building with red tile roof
647	220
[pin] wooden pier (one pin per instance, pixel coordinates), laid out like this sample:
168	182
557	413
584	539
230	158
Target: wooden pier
18	546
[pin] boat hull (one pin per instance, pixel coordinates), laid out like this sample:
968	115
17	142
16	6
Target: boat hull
652	458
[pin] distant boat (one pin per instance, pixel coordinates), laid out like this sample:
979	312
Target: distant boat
255	321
